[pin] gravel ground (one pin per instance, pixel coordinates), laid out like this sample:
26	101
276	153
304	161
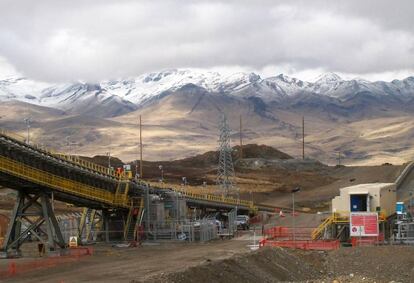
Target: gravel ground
383	263
228	261
364	264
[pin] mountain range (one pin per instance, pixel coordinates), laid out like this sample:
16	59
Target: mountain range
368	122
136	92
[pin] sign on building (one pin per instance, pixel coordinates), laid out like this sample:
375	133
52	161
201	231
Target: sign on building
364	224
73	242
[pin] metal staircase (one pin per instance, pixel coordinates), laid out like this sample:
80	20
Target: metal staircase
87	223
134	219
317	233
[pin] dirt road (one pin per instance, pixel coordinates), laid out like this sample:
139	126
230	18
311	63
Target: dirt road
230	261
125	264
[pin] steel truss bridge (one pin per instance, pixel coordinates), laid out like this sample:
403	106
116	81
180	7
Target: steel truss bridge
38	176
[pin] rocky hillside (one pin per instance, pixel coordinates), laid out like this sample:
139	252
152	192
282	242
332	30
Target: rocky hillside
367	122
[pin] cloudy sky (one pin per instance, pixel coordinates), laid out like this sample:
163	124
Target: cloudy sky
57	41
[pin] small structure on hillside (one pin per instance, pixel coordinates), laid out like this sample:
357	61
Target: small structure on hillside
374	197
361	210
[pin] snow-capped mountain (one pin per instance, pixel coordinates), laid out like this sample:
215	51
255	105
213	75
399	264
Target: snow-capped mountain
181	107
120	96
147	86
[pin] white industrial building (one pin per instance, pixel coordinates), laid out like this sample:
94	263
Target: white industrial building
374	197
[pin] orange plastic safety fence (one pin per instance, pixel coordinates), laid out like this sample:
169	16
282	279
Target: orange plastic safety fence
15	268
367	241
280	232
301	244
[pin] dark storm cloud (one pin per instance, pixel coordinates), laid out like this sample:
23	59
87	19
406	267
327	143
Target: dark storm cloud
94	40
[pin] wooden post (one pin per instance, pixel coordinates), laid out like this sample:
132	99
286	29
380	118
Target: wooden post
140	147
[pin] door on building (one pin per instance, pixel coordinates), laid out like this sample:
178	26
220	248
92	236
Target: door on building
359	202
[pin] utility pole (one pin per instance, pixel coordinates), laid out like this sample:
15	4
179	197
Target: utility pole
339	158
140	148
241	138
303	137
28	120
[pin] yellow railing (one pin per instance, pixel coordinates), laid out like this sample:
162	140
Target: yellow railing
58	183
343	216
86	164
71	158
318	231
196	194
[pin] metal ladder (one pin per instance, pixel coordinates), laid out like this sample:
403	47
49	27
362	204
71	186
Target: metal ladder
134	221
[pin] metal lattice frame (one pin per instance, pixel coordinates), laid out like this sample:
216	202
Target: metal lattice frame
30	213
225	172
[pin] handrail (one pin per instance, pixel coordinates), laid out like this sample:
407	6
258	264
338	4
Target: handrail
343	216
317	231
70	158
190	193
86	164
59	183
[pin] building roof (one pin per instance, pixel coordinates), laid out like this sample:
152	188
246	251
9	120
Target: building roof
364	188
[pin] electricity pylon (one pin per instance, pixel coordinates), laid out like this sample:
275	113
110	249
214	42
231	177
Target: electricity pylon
225	172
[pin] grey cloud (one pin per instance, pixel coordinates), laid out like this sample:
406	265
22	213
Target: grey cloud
94	40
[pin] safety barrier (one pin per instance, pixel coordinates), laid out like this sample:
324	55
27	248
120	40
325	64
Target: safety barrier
58	183
367	241
15	267
302	244
79	251
285	233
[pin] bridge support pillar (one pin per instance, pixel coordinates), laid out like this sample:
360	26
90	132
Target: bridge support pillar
32	218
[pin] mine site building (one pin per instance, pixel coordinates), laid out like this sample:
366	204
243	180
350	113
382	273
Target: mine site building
374	197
